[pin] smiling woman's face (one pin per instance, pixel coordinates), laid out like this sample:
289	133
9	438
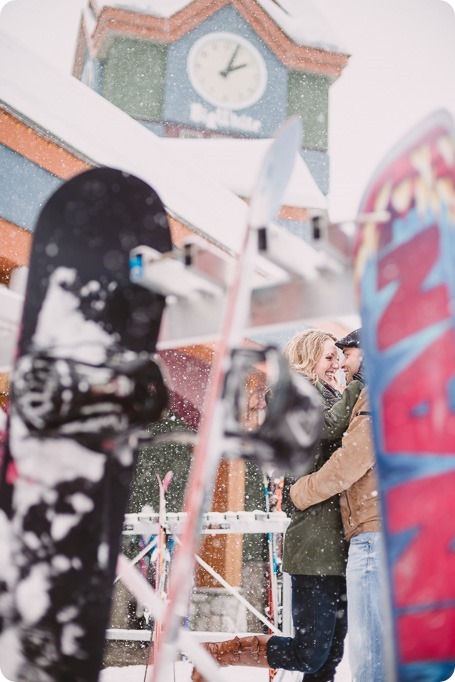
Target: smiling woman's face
328	363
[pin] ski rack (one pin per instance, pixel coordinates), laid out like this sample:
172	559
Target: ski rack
294	283
214	523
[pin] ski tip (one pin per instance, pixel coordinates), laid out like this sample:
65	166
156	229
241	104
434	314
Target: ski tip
275	172
167	479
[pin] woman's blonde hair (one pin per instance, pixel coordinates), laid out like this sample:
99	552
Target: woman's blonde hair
304	351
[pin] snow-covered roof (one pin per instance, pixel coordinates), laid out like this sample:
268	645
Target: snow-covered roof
235	164
299	19
87	123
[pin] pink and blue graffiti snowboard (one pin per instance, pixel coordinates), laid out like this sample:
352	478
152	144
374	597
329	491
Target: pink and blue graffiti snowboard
406	275
84	381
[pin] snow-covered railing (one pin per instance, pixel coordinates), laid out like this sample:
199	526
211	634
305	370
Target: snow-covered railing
214	523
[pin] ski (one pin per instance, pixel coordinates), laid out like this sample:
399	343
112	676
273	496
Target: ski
161	569
264	204
85	381
405	264
160	573
273	488
146	595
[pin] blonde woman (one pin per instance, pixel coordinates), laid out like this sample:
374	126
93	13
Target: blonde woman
315	551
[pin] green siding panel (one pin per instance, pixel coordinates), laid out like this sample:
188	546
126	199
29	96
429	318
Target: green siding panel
159	459
134	74
309	99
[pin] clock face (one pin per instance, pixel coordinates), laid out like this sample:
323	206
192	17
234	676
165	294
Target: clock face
227	70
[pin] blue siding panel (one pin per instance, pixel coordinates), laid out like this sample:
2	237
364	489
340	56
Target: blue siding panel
319	165
24	188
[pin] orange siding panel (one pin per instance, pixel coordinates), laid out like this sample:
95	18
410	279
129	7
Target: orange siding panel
45	153
14	246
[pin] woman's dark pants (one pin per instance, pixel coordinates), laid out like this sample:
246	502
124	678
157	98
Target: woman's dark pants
319	614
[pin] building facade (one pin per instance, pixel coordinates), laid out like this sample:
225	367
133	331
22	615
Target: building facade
200	69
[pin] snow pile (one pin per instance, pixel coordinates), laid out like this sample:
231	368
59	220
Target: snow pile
135	673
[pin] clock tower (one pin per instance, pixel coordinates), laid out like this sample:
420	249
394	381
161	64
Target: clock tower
215	68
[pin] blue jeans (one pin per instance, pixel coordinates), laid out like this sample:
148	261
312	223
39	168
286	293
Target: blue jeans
365	618
319	616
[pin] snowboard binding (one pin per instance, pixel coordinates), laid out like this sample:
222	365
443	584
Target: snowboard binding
60	396
287	437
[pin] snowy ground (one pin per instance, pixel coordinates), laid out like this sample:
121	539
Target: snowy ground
135	673
183	670
183	673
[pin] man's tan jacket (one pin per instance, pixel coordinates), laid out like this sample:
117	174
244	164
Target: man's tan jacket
349	471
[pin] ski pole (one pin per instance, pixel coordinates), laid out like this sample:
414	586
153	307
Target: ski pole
235	593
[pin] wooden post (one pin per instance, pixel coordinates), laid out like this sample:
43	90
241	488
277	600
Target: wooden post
224	552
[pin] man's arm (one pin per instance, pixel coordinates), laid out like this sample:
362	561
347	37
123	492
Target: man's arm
346	466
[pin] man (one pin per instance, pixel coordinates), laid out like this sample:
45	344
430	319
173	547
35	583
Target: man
350	471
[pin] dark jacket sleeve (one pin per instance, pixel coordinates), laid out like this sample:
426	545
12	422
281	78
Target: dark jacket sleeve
336	418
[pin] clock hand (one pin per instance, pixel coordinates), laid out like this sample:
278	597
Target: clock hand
229	68
236	68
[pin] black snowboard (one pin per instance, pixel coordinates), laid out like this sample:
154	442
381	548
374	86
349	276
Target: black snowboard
84	381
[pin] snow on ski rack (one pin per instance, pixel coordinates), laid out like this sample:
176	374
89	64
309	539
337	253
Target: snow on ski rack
214	523
306	284
294	283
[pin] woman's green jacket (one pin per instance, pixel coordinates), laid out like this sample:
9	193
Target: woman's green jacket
314	542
